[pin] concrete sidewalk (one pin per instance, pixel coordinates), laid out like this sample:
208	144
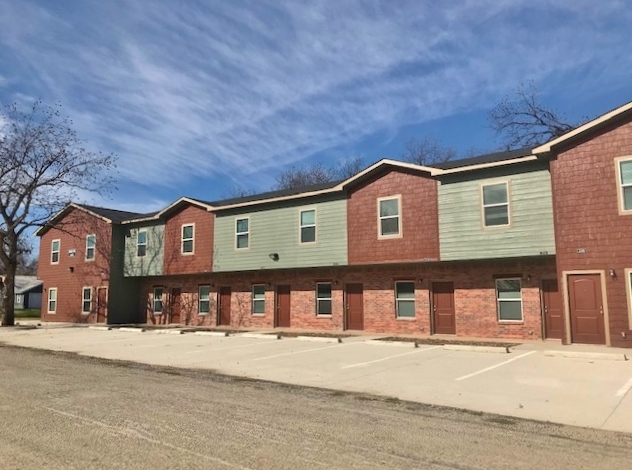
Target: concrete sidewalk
577	385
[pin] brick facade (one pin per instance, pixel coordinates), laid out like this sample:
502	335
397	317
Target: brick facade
201	260
474	284
590	234
73	272
419	219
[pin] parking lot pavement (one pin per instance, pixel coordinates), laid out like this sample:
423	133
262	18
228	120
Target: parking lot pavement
525	383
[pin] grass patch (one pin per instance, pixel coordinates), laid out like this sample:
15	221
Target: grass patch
28	313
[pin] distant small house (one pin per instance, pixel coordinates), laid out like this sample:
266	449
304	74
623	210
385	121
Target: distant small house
28	292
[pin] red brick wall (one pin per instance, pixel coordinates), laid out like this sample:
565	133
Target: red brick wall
587	216
475	298
202	258
418	221
72	232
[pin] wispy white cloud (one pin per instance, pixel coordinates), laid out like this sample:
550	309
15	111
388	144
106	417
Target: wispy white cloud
239	88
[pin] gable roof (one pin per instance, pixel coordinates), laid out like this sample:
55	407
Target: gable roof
485	159
111	216
593	125
24	284
171	207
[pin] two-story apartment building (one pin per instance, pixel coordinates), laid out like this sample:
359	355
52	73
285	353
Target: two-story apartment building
505	245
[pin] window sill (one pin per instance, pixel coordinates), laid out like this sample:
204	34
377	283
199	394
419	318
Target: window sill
511	322
324	316
406	318
258	314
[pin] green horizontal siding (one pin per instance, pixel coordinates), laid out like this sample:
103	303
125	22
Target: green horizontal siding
152	263
461	231
275	229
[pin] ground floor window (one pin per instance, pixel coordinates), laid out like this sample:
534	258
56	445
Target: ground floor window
405	299
158	304
52	299
258	299
509	299
204	300
323	298
86	297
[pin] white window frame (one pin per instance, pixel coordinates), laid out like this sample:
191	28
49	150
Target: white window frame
320	299
246	233
485	206
93	248
398	300
83	300
53	251
254	299
49	300
301	226
206	300
621	186
399	233
192	239
498	301
628	280
162	302
138	244
18	298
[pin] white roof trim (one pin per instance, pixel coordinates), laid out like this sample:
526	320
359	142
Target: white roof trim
73	205
481	166
581	129
175	203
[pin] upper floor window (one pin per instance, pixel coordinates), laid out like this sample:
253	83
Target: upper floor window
323	298
242	233
495	204
55	246
52	299
625	182
509	299
91	241
204	300
141	243
86	300
389	211
187	238
405	299
308	226
157	304
258	299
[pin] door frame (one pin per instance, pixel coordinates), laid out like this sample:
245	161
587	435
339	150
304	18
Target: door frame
105	312
543	314
277	305
218	316
567	303
171	304
345	303
433	328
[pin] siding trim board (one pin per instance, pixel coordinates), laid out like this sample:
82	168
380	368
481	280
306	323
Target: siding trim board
567	308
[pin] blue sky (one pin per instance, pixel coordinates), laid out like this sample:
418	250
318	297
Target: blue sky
197	98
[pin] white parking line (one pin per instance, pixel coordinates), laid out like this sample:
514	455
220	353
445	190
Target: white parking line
390	357
230	347
339	345
625	389
495	366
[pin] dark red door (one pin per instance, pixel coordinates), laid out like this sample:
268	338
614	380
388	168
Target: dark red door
553	310
224	306
355	307
283	306
176	305
102	304
444	317
586	309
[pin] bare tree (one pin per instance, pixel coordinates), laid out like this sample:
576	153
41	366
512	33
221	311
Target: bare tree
427	151
296	177
522	121
43	165
349	167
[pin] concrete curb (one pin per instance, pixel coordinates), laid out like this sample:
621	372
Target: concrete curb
211	333
259	335
485	349
406	344
587	355
319	339
132	330
100	328
166	332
